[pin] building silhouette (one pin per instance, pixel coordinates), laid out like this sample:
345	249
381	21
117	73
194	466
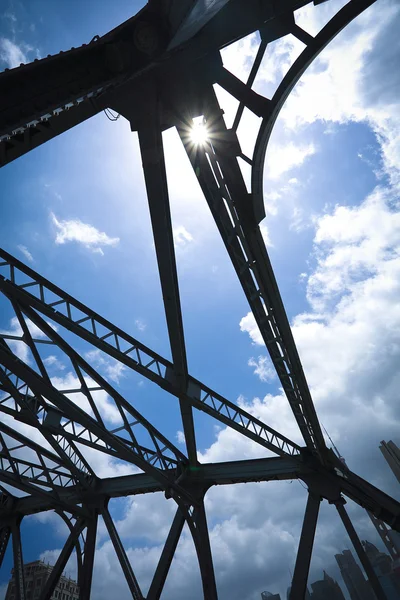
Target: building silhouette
269	596
326	589
357	586
392	456
36	574
383	565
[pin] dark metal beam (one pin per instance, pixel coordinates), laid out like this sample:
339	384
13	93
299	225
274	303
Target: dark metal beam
73	412
18	563
122	556
314	47
85	583
122	405
223	186
167	555
151	148
5	533
62	560
133	354
363	558
197	522
304	552
205	476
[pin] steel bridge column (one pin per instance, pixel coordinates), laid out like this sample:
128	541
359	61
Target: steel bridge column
152	152
203	548
4	537
62	560
88	559
121	554
373	579
166	557
304	552
19	575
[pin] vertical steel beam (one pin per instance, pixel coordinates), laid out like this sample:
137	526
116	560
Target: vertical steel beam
203	549
19	575
304	552
151	148
4	537
122	557
364	560
88	558
158	582
62	560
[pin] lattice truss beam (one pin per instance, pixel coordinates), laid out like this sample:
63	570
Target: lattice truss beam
158	70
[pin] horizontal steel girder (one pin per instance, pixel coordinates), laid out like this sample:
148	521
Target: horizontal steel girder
329	485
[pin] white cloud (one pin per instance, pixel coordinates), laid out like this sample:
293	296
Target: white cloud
182	237
25	252
263	368
112	368
286	157
355	79
75	231
53	361
18	346
104	403
249	325
11	54
265	234
348	342
140	324
180	436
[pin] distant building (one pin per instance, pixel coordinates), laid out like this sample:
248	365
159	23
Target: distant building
269	596
389	537
392	456
326	589
36	574
358	587
383	567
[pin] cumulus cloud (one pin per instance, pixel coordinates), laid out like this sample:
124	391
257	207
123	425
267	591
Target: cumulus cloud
11	54
182	237
140	324
283	158
180	436
263	368
348	341
112	368
53	361
25	252
75	231
354	79
71	386
18	346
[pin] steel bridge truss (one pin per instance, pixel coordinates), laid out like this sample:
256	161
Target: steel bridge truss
158	70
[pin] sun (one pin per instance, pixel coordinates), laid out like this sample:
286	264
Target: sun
199	134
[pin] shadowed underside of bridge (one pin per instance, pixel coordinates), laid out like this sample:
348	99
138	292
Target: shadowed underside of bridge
158	70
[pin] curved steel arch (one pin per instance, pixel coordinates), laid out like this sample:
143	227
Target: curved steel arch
313	48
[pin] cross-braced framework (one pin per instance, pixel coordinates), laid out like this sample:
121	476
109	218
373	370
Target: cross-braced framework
158	70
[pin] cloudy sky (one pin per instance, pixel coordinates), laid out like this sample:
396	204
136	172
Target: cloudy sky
75	210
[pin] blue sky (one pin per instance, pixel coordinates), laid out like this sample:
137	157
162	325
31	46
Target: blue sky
75	210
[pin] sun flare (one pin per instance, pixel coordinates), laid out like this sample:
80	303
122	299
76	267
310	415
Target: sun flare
199	134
